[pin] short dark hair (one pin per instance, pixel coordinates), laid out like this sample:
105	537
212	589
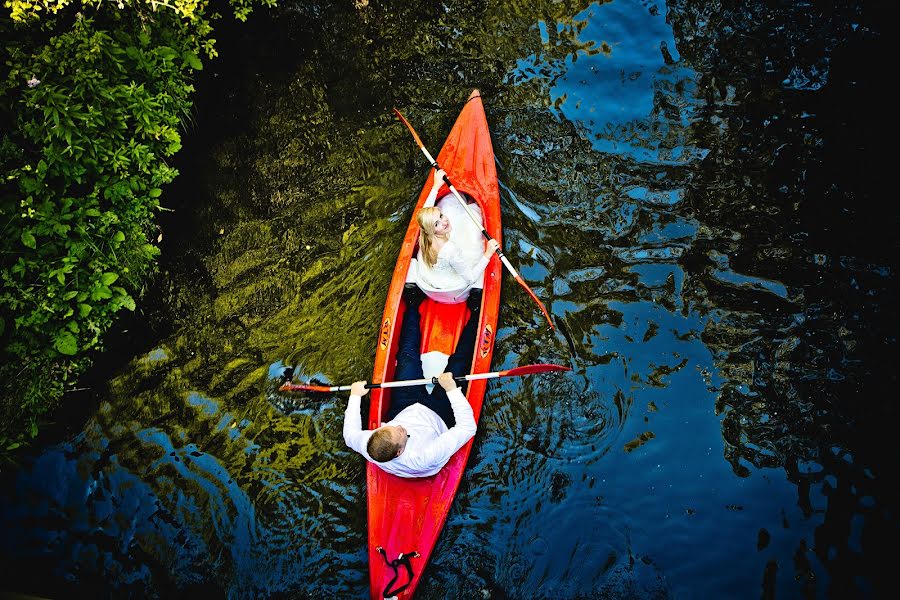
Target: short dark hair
381	446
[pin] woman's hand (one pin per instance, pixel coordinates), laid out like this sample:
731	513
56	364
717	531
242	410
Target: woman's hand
492	246
439	178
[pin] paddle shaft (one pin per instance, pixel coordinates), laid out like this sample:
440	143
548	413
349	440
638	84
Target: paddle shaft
515	372
423	381
484	232
409	382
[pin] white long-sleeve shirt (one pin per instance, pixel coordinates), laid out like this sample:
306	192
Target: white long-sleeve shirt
430	444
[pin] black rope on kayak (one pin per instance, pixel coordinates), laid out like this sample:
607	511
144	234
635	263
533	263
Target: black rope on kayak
402	560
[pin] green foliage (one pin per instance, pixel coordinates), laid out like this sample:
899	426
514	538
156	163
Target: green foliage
91	111
189	10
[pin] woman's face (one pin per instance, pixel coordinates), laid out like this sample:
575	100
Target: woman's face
442	225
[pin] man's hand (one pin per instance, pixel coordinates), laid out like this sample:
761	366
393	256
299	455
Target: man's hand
358	388
447	382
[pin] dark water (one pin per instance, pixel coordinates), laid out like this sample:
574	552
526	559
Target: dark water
697	192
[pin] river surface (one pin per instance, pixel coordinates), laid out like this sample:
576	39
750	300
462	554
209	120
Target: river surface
696	190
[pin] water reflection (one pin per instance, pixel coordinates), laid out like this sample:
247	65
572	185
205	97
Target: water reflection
669	191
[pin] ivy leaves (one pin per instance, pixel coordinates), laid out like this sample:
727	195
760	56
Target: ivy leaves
85	168
65	343
92	109
104	117
28	239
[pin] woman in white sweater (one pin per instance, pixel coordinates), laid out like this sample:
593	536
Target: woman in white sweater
452	255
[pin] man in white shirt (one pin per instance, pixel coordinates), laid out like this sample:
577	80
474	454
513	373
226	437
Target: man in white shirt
423	430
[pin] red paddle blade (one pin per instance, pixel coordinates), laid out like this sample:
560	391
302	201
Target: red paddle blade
539	303
410	127
531	369
298	387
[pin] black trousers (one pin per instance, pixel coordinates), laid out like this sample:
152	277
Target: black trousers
409	366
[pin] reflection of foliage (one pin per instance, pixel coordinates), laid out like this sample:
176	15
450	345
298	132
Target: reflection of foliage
92	108
425	52
254	473
639	441
757	193
787	193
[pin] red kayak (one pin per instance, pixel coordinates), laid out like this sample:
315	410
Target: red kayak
406	515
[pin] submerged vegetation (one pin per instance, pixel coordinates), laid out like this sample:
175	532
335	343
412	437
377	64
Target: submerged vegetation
91	102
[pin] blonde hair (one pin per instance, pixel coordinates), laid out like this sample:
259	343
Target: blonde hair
426	218
381	445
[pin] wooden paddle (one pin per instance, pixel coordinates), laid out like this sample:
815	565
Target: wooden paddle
518	371
484	232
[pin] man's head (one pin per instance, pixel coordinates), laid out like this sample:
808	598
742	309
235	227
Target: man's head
387	443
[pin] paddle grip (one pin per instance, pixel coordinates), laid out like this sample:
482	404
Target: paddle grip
393	384
460	379
498	251
488	237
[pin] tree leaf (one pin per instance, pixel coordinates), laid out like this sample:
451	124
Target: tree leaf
65	343
191	60
166	52
28	239
102	293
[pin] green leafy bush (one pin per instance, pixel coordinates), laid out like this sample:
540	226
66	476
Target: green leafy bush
91	111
